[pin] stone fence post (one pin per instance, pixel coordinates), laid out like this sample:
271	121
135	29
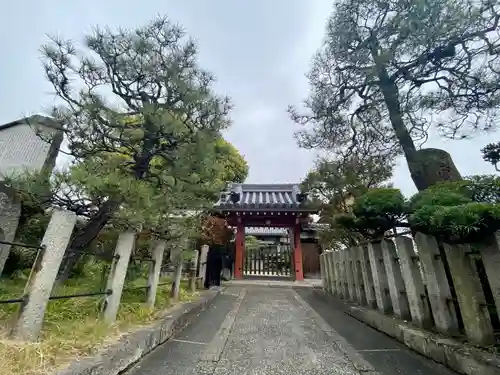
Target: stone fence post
442	307
379	275
343	274
158	250
358	275
322	271
203	264
178	262
117	274
490	252
43	275
339	286
470	295
396	284
366	270
192	271
330	262
348	253
415	289
328	272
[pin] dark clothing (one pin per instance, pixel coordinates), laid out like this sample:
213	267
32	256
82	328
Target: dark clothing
214	266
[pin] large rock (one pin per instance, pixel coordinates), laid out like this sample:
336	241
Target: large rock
432	165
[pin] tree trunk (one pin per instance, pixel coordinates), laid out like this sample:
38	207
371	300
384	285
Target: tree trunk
427	166
82	238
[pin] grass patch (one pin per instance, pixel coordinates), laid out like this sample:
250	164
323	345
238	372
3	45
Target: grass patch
73	328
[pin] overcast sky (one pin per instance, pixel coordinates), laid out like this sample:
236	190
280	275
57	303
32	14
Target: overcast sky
258	49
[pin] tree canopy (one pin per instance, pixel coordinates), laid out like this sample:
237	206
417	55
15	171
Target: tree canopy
389	70
144	130
335	184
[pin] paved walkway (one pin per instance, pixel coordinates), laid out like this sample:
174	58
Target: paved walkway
258	331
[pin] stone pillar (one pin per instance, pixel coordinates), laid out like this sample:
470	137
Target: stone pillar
470	295
178	262
331	269
203	264
117	274
297	254
327	271
339	286
349	273
490	252
343	273
437	285
192	272
397	289
158	249
415	289
379	278
358	275
239	243
322	271
366	270
43	275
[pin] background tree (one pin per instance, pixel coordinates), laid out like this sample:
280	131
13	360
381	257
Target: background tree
491	154
388	70
335	184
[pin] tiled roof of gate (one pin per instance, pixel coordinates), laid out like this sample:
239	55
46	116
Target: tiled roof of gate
253	196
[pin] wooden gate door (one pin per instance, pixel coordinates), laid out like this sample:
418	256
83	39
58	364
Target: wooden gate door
268	261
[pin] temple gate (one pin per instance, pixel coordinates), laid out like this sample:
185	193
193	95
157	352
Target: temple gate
277	206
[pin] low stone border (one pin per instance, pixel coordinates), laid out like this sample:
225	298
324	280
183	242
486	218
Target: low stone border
131	347
459	357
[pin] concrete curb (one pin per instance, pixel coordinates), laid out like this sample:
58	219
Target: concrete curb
130	348
460	357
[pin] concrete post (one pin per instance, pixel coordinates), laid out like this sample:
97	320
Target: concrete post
192	272
178	263
490	252
338	275
350	273
437	285
470	295
343	274
379	278
322	271
117	274
414	285
366	270
203	264
158	249
43	275
331	269
397	289
358	275
327	272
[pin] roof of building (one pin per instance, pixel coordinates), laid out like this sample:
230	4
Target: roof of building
33	120
271	197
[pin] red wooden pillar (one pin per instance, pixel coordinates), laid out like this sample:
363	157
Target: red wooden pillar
297	254
239	250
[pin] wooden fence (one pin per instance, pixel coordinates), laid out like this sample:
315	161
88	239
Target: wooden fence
450	289
40	284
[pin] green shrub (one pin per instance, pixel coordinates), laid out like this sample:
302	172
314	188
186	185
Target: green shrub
458	212
378	211
469	222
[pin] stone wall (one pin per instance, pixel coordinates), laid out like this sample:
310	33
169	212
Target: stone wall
448	293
